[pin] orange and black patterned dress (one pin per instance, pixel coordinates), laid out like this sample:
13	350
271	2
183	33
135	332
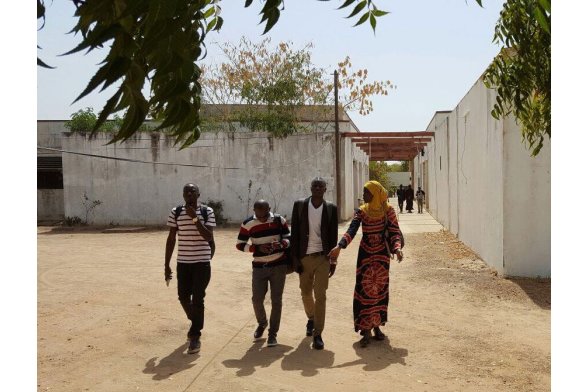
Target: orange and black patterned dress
370	298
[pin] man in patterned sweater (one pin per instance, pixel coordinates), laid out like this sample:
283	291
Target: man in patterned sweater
194	231
269	235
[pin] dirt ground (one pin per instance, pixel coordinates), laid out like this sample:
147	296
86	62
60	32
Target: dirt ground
107	322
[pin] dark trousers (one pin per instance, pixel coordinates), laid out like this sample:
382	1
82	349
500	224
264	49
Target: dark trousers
193	279
400	203
276	278
409	204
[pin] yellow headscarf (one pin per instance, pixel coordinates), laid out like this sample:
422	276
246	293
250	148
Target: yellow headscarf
379	205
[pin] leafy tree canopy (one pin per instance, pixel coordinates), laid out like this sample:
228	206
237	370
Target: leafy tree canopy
161	41
274	83
378	171
521	73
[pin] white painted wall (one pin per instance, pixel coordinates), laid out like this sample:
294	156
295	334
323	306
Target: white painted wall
50	204
399	178
279	170
478	170
527	206
49	201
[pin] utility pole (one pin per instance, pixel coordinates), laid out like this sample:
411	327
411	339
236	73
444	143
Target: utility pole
337	147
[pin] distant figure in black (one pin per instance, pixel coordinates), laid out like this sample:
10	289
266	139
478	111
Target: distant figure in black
409	196
400	195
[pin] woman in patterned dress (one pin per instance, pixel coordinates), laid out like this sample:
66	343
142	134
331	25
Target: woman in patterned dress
370	298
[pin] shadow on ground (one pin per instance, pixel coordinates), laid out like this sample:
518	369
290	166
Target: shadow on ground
257	356
91	229
175	362
377	356
307	360
538	290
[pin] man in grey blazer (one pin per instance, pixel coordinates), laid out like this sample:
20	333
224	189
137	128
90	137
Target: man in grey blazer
314	224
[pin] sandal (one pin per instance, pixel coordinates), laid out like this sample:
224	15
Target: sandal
378	334
365	340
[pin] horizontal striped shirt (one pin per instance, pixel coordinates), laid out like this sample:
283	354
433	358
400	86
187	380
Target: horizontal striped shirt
264	233
192	247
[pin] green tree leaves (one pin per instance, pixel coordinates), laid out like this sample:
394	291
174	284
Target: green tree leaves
521	73
271	85
379	171
160	42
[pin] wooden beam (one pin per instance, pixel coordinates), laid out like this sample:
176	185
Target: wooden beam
395	152
386	150
359	140
388	146
386	134
390	159
410	156
403	153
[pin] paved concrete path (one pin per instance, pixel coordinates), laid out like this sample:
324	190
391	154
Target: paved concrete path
415	222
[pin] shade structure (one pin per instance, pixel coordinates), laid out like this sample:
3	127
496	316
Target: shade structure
390	146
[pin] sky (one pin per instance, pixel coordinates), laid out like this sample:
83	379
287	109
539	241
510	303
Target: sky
432	50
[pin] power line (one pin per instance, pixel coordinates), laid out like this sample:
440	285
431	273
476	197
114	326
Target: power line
183	164
132	160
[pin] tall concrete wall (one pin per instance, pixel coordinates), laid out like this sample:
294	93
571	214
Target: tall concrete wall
477	170
50	204
527	206
49	201
399	178
355	172
235	168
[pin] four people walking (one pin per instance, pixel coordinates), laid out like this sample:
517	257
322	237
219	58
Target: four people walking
314	251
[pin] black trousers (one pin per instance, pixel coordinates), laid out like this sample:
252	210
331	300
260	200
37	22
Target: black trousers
193	278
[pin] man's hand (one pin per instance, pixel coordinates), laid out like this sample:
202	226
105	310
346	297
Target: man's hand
332	269
168	273
191	212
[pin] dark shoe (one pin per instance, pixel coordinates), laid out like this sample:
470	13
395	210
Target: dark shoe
189	334
258	332
365	340
309	327
317	343
194	346
272	341
378	334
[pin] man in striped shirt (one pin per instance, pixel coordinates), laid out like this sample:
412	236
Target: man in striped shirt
194	233
269	235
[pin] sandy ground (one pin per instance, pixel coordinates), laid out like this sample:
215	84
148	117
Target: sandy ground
107	322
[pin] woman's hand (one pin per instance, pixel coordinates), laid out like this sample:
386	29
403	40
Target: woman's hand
334	253
399	255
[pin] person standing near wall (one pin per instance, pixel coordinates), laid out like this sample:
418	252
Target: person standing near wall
400	195
194	230
314	233
420	196
269	236
409	196
381	239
